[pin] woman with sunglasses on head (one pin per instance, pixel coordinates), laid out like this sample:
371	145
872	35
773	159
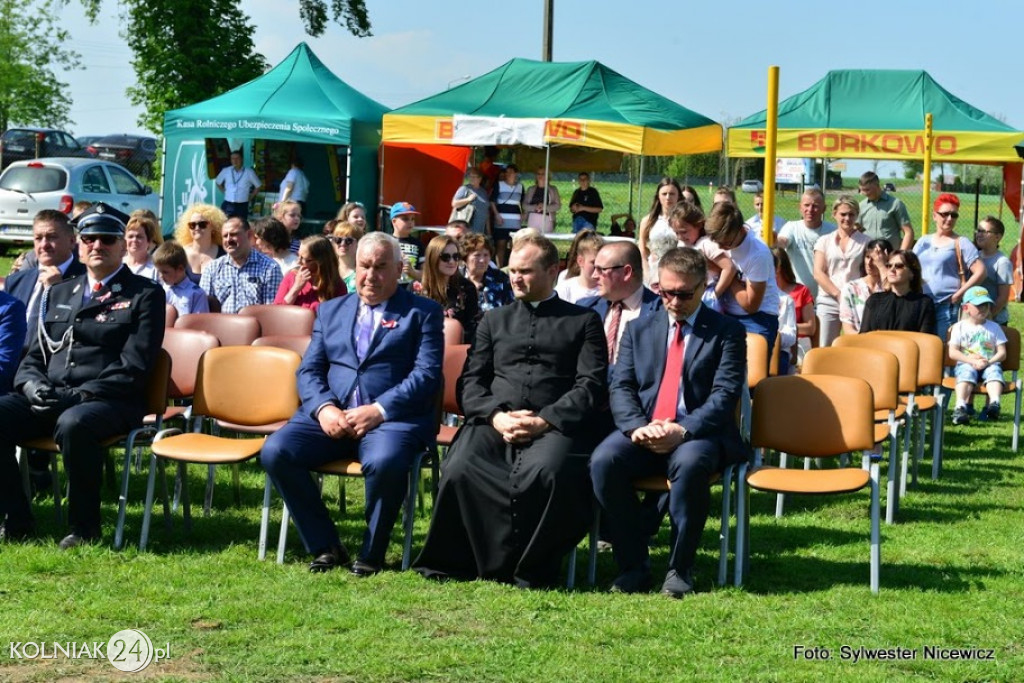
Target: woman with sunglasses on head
315	278
950	264
345	237
198	230
443	283
904	305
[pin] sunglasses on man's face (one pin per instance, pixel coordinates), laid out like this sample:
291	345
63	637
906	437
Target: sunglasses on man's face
681	294
108	240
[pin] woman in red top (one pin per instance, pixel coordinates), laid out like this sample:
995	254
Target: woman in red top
315	278
803	300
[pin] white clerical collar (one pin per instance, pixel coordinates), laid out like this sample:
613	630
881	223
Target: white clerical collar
535	304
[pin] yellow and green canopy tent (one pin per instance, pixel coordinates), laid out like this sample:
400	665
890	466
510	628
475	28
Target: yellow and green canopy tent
878	114
526	102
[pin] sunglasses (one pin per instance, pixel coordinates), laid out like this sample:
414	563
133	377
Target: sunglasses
681	294
948	214
343	240
448	258
103	239
601	271
198	225
896	265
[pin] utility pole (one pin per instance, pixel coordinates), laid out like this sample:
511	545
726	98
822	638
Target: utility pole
549	28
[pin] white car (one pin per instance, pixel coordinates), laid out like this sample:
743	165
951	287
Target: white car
27	187
752	186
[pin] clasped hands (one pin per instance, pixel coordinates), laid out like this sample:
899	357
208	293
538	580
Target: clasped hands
519	426
44	397
353	424
660	436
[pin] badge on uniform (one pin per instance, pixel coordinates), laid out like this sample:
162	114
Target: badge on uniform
120	306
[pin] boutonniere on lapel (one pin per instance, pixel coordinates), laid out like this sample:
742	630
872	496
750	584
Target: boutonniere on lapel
104	297
116	288
389	324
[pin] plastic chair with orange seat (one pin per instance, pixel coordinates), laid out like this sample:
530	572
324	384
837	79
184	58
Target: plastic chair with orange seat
281	319
881	370
229	329
929	397
293	342
170	315
907	354
453	332
816	416
228	389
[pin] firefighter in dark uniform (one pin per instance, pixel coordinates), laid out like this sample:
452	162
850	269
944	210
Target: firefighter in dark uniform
83	378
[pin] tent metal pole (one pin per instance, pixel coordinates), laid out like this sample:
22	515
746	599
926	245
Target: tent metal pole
640	184
926	192
547	184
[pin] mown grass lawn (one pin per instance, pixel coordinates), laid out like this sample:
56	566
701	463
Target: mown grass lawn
951	578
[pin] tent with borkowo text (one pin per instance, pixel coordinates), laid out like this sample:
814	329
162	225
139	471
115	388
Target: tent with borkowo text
878	114
538	104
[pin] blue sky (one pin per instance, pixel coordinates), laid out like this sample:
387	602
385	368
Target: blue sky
712	57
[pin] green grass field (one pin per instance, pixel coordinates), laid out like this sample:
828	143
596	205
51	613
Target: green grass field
951	578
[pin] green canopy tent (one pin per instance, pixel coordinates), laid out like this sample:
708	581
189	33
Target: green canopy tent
878	114
543	105
298	107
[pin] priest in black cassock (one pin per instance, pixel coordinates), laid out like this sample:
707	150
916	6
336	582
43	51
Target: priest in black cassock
515	495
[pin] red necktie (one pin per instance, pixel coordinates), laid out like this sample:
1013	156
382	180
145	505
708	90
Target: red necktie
611	335
667	405
97	287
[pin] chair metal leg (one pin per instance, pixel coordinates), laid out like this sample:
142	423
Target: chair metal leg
876	532
122	500
208	498
742	526
186	507
892	500
723	534
58	498
147	511
26	484
922	418
780	498
1016	411
410	511
264	518
282	536
938	423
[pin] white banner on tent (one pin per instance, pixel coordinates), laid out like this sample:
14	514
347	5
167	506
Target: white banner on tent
497	130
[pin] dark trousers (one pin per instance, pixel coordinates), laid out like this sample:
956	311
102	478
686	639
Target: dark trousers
231	209
78	431
386	455
617	462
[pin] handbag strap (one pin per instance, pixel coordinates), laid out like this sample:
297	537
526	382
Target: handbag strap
959	260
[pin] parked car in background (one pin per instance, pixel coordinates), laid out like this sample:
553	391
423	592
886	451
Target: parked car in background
135	152
752	186
19	144
27	187
86	140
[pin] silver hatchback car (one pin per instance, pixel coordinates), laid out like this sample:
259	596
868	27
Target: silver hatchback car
27	187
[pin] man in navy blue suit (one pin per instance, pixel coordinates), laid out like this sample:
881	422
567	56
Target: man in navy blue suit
673	397
622	296
368	383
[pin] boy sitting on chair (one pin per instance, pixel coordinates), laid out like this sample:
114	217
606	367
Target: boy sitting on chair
978	346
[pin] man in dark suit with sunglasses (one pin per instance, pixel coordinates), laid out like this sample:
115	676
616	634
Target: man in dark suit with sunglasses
83	379
673	396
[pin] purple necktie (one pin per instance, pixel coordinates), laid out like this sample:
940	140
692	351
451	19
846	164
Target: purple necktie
365	333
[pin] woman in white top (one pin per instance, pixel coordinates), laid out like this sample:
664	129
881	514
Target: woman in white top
655	228
578	280
838	258
141	236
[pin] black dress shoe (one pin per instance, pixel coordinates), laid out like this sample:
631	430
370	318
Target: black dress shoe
633	581
677	586
75	539
330	559
364	569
